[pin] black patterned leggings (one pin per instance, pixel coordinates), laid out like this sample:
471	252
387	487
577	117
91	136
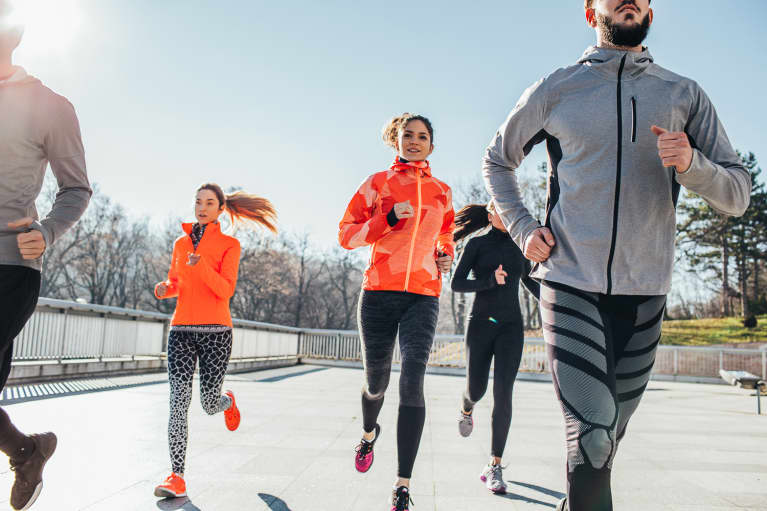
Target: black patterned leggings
380	316
601	349
184	348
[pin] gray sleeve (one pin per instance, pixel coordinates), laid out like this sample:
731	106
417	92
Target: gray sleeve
513	141
64	149
716	172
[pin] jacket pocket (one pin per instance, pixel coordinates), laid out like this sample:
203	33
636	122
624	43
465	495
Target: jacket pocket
633	119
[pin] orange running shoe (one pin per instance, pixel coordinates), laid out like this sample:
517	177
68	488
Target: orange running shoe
232	414
173	486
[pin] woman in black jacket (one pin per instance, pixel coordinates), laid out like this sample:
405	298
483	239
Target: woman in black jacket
495	326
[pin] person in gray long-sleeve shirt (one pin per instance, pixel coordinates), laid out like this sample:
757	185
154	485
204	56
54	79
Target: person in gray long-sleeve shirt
623	135
37	128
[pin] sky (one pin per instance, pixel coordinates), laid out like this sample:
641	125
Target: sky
287	99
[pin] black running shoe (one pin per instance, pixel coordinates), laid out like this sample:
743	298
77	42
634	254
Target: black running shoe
400	499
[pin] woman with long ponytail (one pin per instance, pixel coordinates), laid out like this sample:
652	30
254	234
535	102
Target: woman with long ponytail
495	328
203	276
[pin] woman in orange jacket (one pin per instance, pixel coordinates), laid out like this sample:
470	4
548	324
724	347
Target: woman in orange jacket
406	216
203	276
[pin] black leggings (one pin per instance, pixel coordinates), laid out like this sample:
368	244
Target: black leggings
380	315
184	348
19	290
601	349
504	341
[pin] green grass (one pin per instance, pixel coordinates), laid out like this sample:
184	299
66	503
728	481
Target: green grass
702	332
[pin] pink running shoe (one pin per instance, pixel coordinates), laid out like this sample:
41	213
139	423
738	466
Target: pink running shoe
363	459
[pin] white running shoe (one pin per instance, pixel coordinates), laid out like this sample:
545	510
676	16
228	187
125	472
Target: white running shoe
492	476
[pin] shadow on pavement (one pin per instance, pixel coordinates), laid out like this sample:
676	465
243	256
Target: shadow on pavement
274	503
550	493
180	503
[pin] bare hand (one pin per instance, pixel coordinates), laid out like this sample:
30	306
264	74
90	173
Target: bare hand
500	275
538	245
161	289
674	148
31	242
403	210
444	263
192	259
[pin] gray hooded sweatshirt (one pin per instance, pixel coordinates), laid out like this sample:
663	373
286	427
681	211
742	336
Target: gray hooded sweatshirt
38	127
611	205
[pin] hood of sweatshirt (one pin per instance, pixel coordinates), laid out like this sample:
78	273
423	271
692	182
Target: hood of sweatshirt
607	62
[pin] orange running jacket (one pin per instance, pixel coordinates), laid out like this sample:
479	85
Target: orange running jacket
203	290
402	257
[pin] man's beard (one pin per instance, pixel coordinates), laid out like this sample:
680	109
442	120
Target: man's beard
618	35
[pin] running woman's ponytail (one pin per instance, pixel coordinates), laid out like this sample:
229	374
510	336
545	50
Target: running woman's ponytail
469	219
242	206
391	131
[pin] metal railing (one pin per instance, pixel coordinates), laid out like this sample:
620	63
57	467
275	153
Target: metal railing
60	330
449	351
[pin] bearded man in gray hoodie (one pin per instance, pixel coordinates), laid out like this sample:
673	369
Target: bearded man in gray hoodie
37	127
623	135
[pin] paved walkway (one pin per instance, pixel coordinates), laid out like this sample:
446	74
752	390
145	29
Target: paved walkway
691	447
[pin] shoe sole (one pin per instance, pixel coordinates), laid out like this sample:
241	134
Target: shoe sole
497	492
39	487
33	498
167	494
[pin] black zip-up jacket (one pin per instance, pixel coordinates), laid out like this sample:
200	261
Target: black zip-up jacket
481	256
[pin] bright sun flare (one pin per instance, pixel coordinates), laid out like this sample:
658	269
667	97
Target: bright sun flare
50	25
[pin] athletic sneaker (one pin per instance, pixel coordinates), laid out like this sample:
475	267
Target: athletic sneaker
465	424
232	414
363	459
173	486
562	506
400	499
29	474
492	476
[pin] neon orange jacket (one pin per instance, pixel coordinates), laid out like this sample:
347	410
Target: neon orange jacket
203	290
403	257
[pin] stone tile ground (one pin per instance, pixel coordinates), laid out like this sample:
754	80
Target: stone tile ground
691	447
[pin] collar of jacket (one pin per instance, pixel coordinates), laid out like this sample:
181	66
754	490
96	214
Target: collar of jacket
606	62
498	233
211	227
400	166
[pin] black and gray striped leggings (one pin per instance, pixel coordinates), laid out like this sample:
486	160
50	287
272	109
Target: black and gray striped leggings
601	349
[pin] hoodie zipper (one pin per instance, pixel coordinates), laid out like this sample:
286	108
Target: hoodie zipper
617	180
633	119
415	229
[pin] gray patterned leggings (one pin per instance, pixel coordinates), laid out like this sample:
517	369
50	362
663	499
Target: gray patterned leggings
601	349
382	316
184	348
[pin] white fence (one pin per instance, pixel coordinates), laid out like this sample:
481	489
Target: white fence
449	351
60	330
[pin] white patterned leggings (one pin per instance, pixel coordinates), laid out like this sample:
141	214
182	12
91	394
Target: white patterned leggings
184	348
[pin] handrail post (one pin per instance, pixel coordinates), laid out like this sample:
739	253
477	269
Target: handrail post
103	336
63	336
298	343
338	346
676	361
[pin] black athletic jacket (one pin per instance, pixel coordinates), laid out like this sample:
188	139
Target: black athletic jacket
481	256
